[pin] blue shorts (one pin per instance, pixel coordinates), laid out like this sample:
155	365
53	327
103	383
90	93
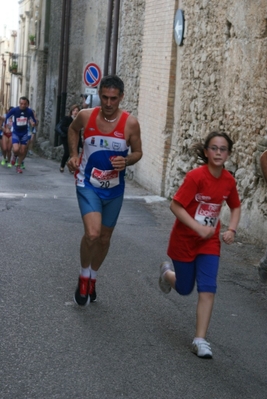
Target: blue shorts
31	132
20	138
203	270
89	202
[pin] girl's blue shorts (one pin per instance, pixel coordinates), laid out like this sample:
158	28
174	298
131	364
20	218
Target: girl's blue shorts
203	270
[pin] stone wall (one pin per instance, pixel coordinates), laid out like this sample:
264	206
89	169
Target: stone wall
223	85
46	131
216	80
130	51
86	44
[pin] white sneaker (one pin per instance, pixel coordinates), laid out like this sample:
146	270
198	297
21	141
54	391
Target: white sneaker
202	349
163	284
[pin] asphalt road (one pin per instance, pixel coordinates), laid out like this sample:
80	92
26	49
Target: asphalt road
134	342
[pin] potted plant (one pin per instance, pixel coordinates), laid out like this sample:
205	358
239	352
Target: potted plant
32	39
14	67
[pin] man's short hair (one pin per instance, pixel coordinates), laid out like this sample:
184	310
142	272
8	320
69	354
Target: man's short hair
112	81
25	99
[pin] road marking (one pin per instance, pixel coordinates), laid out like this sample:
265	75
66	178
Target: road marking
12	195
33	195
149	199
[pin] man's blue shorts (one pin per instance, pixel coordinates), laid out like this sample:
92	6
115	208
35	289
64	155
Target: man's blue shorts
203	270
89	202
20	138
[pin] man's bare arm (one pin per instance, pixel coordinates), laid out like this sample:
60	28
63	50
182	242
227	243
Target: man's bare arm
75	127
73	135
134	141
133	136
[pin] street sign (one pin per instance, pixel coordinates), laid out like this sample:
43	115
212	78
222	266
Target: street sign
89	90
92	75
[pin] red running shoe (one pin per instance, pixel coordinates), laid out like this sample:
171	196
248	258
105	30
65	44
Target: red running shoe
19	170
13	160
92	292
81	296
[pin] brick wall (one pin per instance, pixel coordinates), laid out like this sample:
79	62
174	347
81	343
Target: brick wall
156	101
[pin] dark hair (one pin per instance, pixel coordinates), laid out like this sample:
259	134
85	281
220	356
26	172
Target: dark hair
10	108
112	81
200	147
73	107
25	99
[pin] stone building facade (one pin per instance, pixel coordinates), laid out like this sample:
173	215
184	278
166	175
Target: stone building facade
216	80
7	48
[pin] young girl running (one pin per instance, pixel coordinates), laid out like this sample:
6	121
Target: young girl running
194	244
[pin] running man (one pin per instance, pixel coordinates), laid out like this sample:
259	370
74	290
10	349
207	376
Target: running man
109	132
22	115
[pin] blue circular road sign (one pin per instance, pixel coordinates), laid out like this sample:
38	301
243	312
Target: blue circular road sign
92	75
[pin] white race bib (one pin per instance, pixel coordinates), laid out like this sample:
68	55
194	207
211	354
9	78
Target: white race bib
104	178
21	121
208	214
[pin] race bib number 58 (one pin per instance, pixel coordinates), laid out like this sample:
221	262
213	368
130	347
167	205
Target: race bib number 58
208	214
104	178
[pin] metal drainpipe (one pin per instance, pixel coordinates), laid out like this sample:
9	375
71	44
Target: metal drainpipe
65	60
108	36
59	88
115	36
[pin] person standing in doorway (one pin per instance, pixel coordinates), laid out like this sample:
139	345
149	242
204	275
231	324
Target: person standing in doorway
65	123
32	133
22	116
109	132
194	245
262	268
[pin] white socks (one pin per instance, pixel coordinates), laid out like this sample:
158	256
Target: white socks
88	272
85	272
93	274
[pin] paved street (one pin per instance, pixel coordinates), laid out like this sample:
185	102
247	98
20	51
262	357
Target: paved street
134	342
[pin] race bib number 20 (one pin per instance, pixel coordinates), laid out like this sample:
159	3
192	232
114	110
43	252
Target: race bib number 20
208	214
104	178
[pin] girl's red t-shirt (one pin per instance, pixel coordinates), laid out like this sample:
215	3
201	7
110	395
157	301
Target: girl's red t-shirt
202	195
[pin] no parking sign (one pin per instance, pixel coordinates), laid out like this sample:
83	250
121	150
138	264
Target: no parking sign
92	74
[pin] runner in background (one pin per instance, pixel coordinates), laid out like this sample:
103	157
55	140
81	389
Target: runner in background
7	142
22	115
